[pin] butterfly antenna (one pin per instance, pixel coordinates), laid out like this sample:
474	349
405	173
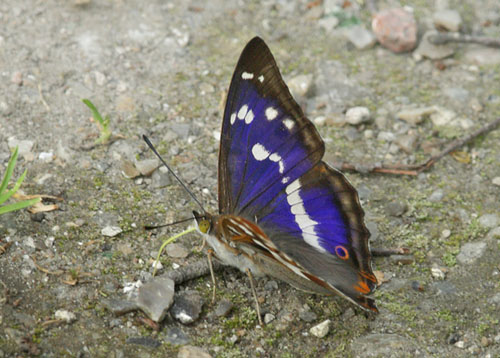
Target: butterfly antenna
151	227
150	145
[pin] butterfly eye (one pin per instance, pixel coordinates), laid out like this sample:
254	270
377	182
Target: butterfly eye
204	226
341	252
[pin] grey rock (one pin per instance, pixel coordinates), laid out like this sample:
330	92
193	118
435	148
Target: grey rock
494	233
407	142
496	181
301	86
271	285
396	208
360	37
489	221
481	55
187	306
442	116
436	196
357	115
415	115
144	341
445	288
268	318
129	170
447	19
431	51
223	308
458	94
155	297
24	146
307	315
386	136
321	329
147	167
192	352
352	134
176	336
177	251
495	299
161	178
471	251
384	345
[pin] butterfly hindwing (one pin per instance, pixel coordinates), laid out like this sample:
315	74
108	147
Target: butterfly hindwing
270	172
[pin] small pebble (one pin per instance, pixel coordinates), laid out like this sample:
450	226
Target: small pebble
321	330
437	273
192	352
65	315
357	115
111	231
268	318
395	29
447	19
445	233
177	251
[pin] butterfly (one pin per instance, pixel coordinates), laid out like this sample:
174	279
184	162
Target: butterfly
283	212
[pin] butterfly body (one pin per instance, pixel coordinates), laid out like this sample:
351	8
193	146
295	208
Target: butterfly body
282	211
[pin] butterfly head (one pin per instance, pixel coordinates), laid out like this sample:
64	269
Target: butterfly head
203	222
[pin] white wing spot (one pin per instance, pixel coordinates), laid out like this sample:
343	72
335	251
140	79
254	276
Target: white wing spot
285	180
233	118
275	157
259	152
247	76
243	111
261	78
249	117
289	123
302	219
271	113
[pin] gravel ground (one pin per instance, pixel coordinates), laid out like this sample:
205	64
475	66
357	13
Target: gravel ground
162	68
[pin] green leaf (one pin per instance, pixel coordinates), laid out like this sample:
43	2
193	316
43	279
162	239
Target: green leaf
19	205
10	169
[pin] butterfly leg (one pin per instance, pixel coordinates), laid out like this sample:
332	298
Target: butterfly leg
382	252
203	243
254	292
210	253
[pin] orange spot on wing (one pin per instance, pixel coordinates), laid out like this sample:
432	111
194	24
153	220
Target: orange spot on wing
362	287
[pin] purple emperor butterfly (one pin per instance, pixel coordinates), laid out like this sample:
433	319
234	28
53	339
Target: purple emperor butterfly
283	212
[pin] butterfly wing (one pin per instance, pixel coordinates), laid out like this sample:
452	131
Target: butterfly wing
270	172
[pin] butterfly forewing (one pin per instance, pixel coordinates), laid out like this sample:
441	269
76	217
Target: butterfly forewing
266	140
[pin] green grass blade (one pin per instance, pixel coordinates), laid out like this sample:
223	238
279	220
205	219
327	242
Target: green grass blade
7	195
95	113
10	169
19	205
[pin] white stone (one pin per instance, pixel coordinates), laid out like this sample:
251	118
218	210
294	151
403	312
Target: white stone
447	19
65	315
111	231
496	181
321	330
415	115
438	273
357	115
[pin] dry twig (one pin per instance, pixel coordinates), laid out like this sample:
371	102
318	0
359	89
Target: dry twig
415	169
444	37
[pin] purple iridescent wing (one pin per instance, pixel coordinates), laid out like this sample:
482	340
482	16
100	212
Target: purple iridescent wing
270	172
